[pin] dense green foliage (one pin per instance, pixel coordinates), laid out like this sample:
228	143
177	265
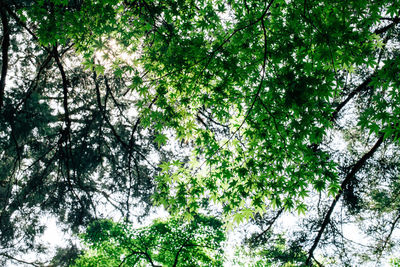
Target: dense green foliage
257	110
173	242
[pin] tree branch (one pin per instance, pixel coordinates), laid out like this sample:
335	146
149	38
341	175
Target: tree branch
211	55
66	133
392	227
261	19
35	82
23	24
4	51
177	255
128	147
270	224
388	27
21	261
208	117
349	177
67	130
144	254
363	86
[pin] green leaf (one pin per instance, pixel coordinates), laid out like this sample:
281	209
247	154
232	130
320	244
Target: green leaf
161	139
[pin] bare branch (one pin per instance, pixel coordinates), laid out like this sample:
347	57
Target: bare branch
36	264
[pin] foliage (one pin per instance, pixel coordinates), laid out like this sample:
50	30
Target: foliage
395	262
70	141
275	253
172	242
65	257
243	106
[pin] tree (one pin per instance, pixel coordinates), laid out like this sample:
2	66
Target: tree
71	144
282	105
172	242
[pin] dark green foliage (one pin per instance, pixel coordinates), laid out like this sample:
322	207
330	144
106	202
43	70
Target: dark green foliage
64	152
66	256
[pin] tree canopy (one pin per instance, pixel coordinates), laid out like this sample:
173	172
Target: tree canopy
174	242
255	110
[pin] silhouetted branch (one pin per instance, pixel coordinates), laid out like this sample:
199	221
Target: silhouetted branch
349	177
362	87
4	51
128	147
36	264
388	27
270	224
